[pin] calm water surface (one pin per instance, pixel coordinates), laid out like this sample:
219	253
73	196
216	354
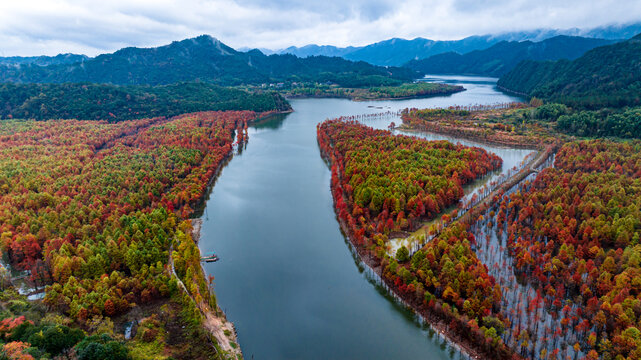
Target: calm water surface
286	277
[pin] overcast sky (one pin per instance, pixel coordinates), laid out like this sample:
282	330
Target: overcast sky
34	27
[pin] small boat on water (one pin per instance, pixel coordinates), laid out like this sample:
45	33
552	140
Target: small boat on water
209	257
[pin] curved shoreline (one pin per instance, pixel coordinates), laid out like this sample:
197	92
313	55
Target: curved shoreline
483	141
502	88
362	99
215	322
465	346
445	131
466	349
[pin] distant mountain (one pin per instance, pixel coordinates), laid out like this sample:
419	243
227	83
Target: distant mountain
504	56
396	52
621	31
609	32
204	58
318	50
262	50
605	76
43	60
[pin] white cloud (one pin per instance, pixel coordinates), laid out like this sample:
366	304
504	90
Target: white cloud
32	27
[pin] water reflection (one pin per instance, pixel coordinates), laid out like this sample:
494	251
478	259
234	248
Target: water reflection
286	278
272	122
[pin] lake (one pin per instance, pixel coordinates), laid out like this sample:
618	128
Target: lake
286	277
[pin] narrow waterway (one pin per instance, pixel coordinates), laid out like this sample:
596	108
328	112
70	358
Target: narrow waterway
286	277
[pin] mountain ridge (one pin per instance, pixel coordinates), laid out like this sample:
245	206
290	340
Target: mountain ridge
501	57
42	60
606	76
421	48
204	58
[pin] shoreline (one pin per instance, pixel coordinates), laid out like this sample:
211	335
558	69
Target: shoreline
361	99
217	320
466	347
198	206
437	325
213	323
502	88
268	114
485	141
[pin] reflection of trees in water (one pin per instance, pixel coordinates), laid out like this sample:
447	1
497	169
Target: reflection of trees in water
272	122
400	305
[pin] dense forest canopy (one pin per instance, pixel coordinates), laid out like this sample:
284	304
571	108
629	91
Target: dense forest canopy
524	124
607	76
574	232
398	180
117	103
383	184
95	210
622	123
504	56
95	204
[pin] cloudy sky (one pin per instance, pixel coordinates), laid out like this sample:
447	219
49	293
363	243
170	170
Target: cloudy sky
34	27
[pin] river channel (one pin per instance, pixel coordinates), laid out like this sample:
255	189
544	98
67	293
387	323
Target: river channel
286	277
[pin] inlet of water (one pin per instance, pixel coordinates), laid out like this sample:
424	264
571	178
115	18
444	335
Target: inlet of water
286	277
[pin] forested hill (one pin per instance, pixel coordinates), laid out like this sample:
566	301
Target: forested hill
504	56
204	58
604	76
43	60
399	51
115	103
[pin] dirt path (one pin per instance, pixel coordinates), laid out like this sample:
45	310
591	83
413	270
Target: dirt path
468	349
196	225
215	324
470	214
541	157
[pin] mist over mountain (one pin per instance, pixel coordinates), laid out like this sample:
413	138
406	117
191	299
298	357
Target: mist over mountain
396	52
205	58
391	52
505	55
318	50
